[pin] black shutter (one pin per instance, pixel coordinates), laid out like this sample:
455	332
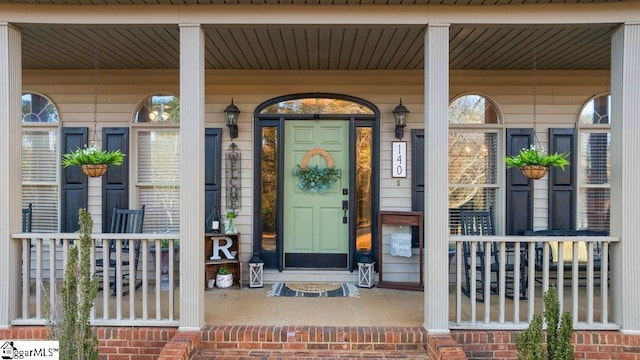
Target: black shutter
562	189
115	182
74	184
417	177
519	209
212	174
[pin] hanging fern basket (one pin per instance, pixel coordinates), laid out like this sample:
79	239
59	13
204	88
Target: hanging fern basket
94	170
534	172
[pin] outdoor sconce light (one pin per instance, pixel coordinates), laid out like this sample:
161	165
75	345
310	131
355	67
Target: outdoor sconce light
365	272
256	267
400	114
231	113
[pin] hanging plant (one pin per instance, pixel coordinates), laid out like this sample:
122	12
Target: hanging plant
534	163
316	179
94	161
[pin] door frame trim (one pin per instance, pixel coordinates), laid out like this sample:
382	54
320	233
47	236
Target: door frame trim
274	259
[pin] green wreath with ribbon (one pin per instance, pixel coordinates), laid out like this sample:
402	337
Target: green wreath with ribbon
316	179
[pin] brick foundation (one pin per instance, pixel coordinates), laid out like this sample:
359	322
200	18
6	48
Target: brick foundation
114	343
127	343
588	344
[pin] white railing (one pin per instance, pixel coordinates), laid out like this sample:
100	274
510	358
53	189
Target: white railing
491	298
145	303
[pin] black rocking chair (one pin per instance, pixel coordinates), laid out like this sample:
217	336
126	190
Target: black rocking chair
481	223
123	221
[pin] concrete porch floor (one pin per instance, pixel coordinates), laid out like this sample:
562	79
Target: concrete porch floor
374	307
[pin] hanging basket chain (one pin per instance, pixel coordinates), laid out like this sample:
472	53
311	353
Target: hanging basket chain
95	141
534	72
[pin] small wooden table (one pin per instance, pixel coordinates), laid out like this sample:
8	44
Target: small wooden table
407	218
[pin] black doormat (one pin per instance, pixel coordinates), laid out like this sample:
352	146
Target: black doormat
314	289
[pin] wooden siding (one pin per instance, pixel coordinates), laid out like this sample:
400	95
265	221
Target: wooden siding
560	95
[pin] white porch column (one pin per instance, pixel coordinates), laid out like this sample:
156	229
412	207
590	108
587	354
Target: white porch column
10	176
436	138
625	197
192	179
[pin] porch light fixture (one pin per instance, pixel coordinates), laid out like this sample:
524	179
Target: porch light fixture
400	114
231	113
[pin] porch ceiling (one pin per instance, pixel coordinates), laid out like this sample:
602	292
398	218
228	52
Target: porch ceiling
316	47
301	2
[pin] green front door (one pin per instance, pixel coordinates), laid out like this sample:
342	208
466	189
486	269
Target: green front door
316	225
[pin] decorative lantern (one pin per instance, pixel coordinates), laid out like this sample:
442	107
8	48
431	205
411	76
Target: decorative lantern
400	114
256	267
365	272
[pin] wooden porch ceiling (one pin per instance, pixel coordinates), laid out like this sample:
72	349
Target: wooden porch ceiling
316	47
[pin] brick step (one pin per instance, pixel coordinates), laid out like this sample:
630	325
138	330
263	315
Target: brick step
312	342
235	354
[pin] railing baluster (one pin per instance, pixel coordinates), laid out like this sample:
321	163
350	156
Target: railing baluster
472	283
516	282
145	281
604	281
574	279
487	281
590	281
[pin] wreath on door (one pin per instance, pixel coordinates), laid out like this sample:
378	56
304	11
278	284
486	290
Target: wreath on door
315	178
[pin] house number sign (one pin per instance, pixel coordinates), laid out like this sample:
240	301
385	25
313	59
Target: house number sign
399	159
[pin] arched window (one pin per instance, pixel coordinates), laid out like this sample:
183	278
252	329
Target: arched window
159	109
40	160
594	164
157	172
474	128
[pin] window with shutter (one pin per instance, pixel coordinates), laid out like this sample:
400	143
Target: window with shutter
474	128
594	164
158	162
40	161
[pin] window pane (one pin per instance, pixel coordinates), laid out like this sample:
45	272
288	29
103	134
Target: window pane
364	194
597	111
38	109
39	177
593	208
317	106
472	109
479	199
44	199
162	208
473	157
159	109
472	173
269	187
594	159
159	179
39	155
159	157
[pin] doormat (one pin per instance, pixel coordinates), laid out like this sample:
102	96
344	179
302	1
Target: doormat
314	289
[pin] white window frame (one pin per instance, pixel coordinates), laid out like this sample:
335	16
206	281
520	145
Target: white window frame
37	126
494	128
589	129
137	129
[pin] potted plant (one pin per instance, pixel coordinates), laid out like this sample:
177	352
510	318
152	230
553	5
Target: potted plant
534	163
94	161
230	223
224	278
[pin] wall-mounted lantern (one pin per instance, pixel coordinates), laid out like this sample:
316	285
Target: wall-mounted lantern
400	114
231	113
